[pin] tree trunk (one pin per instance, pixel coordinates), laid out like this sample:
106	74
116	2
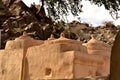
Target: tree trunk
42	2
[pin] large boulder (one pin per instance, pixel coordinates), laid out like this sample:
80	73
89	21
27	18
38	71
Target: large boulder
4	13
115	59
16	7
8	3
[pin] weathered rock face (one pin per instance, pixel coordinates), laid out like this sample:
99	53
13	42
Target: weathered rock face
8	3
11	64
17	17
15	6
18	7
22	42
76	26
115	59
64	53
51	66
4	13
41	32
9	56
96	47
21	16
52	59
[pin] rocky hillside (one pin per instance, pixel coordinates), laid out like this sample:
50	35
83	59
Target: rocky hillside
16	17
105	33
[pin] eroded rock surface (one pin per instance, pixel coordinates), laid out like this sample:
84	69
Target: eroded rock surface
11	64
115	59
16	17
60	58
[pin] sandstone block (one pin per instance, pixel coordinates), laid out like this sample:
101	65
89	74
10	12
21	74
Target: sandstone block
48	63
11	64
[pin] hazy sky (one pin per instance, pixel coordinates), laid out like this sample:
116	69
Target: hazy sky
92	14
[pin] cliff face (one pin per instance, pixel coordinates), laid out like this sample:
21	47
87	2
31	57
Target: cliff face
16	17
23	18
4	13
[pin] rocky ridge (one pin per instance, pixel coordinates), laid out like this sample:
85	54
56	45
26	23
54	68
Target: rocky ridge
16	18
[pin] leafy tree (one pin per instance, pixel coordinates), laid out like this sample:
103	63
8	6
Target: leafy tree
112	5
56	8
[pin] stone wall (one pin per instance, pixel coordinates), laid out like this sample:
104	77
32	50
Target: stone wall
88	65
45	59
62	58
11	64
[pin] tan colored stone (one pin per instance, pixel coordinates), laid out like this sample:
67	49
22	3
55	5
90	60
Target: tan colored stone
11	64
57	55
64	59
67	44
23	42
37	69
60	58
87	65
97	47
51	37
64	40
50	56
1	53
